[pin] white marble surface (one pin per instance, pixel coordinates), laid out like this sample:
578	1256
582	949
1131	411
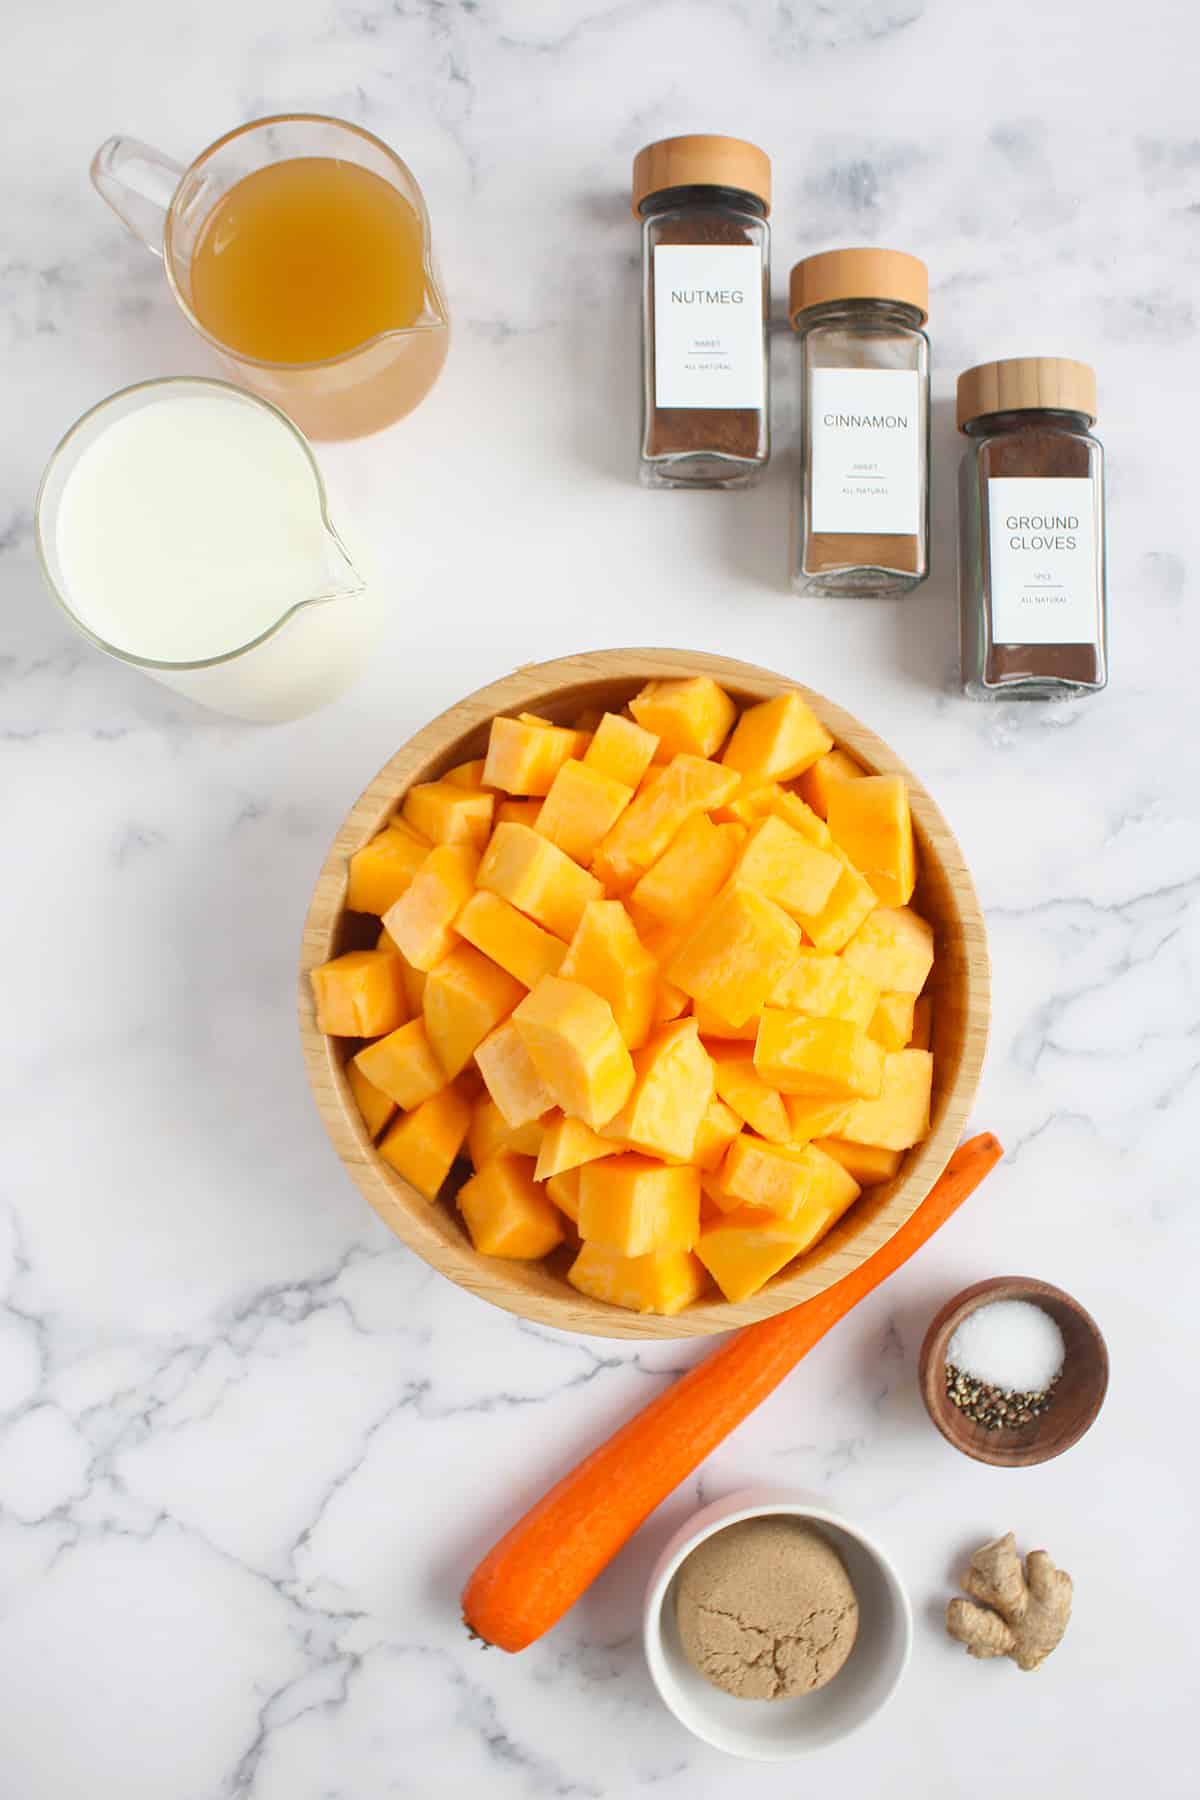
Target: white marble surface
251	1445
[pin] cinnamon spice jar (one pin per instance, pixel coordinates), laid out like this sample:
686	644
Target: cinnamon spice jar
703	202
863	513
1031	531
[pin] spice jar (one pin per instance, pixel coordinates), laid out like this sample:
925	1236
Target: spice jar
863	515
703	202
1031	531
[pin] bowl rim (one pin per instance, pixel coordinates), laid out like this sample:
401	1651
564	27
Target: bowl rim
756	1503
515	1286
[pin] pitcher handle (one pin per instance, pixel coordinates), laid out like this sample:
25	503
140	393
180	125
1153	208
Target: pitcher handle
139	184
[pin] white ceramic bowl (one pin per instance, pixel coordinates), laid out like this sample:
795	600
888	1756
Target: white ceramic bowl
774	1730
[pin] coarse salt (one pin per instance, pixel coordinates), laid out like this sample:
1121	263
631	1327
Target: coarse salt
1010	1344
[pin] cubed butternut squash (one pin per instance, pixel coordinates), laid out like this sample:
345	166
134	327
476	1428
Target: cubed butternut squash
787	868
582	806
633	1204
741	1087
711	1025
776	740
537	878
510	939
621	750
691	870
735	954
447	812
796	1182
360	994
467	774
563	1189
422	1145
811	1119
688	785
489	1133
506	1212
899	1118
510	1076
375	1106
817	782
742	1250
672	1088
568	1144
517	812
689	715
822	1059
853	899
421	923
524	755
892	1021
663	1281
466	996
382	870
794	812
871	822
572	1036
868	1164
826	987
606	955
403	1065
714	1134
894	949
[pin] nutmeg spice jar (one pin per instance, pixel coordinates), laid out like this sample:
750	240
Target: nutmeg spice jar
863	514
703	202
1031	531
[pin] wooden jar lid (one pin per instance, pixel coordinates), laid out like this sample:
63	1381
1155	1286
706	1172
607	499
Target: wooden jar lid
701	161
861	274
1026	384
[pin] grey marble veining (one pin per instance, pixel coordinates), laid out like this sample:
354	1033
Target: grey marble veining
250	1446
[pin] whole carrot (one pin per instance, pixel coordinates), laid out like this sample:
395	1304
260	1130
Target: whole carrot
539	1569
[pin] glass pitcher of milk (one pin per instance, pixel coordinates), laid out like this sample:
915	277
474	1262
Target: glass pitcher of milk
184	527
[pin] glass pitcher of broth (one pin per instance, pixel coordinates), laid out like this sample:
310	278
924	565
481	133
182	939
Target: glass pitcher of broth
299	246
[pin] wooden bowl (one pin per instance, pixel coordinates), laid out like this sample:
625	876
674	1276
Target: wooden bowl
959	986
1077	1398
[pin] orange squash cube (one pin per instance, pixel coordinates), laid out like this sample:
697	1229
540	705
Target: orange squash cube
489	1133
787	868
851	902
509	938
711	1025
899	1118
871	822
518	812
606	955
537	878
776	740
403	1065
714	1134
794	1182
382	870
690	872
506	1212
687	785
868	1165
794	812
563	1189
812	1119
568	1144
468	774
894	949
510	1076
375	1106
892	1021
422	1145
447	813
576	1048
672	1089
621	750
360	994
745	1248
826	987
421	922
817	782
741	1087
663	1281
689	715
632	1204
921	1037
821	1059
736	953
582	807
524	755
466	996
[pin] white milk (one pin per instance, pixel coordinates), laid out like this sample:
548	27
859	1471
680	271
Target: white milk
186	524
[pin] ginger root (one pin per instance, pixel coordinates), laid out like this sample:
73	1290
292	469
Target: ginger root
1022	1613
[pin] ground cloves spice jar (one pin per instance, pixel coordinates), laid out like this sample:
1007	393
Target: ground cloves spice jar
703	202
863	516
1031	531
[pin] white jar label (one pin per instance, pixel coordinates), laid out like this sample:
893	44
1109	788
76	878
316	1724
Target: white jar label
1042	554
867	437
708	326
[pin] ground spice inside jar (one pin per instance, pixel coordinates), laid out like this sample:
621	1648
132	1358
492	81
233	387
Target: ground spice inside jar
1003	1364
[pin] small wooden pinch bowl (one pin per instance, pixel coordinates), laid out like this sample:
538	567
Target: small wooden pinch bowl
1077	1398
540	1291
